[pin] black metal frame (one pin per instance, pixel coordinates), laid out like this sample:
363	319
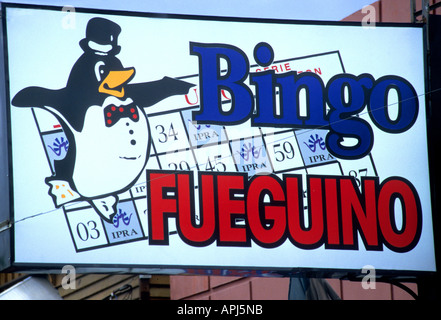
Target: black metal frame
348	274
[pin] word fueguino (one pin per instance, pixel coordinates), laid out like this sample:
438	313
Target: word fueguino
336	209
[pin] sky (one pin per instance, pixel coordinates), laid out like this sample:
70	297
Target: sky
330	10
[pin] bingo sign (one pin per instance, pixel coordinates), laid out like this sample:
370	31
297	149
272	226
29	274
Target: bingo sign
178	142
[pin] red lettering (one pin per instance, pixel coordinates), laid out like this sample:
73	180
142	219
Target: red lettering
160	204
267	222
193	233
406	238
225	95
310	236
332	224
229	209
315	224
278	68
191	102
365	214
271	210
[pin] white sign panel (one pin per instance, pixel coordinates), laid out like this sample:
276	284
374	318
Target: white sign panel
146	141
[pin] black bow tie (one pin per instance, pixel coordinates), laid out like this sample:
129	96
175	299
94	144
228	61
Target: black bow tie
112	113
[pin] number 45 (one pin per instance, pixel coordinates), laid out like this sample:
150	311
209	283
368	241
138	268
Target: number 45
216	164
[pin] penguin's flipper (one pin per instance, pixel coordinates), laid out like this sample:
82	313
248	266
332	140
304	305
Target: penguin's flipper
146	94
63	101
37	97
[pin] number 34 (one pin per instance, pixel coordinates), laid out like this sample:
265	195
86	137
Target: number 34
164	136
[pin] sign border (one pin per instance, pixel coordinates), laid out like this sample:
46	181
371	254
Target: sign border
183	269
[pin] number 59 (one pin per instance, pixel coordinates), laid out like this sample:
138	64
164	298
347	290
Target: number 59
283	151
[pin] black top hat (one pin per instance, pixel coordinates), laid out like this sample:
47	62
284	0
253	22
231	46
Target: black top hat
101	37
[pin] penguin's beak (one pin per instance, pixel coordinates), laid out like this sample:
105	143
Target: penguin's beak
114	83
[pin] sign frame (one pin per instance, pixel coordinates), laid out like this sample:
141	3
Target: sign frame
178	268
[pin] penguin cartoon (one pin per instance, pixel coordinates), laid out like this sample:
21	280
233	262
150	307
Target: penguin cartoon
103	117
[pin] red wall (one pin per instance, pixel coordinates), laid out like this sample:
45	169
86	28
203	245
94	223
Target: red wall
239	288
228	288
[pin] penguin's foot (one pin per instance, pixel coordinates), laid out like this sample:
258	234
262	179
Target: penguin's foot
61	192
105	207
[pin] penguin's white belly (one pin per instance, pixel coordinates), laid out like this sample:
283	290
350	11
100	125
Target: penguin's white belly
108	159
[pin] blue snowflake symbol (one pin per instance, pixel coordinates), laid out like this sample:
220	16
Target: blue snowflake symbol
59	145
315	141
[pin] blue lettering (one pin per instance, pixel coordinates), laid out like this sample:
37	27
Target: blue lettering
346	95
343	121
289	85
407	104
212	82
